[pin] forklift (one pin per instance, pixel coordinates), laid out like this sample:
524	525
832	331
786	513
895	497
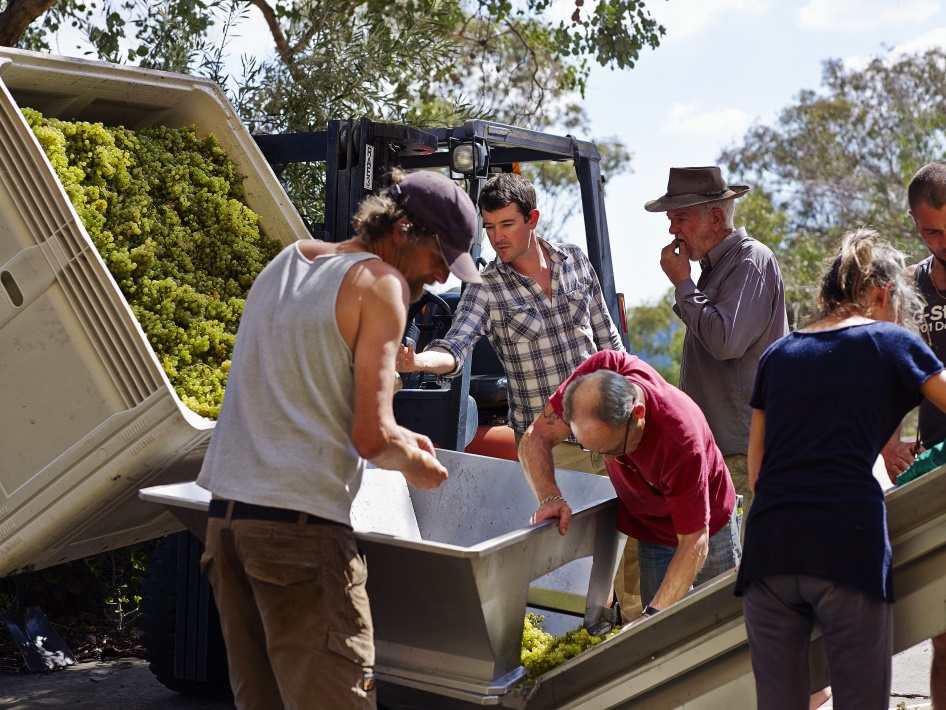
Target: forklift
359	156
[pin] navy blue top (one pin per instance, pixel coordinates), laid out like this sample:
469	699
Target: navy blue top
832	399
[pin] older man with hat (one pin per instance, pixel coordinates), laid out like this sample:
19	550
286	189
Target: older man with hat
309	399
732	314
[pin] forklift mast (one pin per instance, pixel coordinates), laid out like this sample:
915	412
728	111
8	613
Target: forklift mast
359	156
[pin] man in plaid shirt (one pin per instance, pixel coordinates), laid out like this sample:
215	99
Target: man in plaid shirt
540	305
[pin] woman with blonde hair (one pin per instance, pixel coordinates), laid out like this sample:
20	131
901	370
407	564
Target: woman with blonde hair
826	400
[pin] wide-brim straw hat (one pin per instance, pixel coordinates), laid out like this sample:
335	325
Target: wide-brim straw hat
695	186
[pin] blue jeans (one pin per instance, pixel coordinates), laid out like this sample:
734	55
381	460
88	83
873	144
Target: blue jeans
725	552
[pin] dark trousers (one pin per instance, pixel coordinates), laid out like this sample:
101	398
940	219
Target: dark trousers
857	629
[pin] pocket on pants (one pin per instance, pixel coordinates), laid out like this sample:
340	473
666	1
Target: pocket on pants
282	574
356	573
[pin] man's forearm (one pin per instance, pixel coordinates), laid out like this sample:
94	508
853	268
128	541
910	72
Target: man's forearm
535	455
437	360
539	467
685	565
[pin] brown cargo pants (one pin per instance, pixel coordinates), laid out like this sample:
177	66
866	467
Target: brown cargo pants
294	614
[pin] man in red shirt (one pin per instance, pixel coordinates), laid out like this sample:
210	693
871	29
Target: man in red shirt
675	495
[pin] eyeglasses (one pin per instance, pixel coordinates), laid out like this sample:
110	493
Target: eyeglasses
614	452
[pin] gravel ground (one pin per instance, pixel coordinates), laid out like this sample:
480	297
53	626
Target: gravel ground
127	684
124	684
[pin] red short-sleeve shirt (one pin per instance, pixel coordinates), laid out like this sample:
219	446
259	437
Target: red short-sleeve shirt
676	481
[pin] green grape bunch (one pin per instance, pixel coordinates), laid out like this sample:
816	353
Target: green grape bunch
541	651
166	212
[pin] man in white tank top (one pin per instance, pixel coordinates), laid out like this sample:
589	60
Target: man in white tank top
309	399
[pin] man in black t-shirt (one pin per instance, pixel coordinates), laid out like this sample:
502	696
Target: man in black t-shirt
927	198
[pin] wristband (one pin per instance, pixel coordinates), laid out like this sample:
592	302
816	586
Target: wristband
549	499
649	611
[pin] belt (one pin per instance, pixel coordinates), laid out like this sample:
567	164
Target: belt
251	511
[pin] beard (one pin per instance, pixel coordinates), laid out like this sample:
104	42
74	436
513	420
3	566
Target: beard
415	282
416	289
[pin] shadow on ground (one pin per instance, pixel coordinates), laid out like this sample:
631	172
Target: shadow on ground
124	684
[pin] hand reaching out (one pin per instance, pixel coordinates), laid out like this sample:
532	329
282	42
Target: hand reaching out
405	359
898	457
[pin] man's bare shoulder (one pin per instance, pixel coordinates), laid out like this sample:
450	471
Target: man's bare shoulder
371	290
910	271
363	272
312	248
375	279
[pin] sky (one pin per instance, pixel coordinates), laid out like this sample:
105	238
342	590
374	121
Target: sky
723	66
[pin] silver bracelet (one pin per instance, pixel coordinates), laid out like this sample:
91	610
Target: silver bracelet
549	499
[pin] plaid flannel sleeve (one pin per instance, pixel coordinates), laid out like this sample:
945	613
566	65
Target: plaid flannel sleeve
469	325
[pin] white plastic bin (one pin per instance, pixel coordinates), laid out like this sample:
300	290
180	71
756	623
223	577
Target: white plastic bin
88	415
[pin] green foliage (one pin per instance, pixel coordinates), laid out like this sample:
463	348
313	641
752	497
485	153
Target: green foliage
655	334
613	32
120	573
517	62
463	38
841	158
345	64
86	591
420	62
171	36
769	222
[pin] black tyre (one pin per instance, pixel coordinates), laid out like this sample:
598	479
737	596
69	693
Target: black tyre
158	622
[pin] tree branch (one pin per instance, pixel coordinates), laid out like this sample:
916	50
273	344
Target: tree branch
535	63
18	15
269	14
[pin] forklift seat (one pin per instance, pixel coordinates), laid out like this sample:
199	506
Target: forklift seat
488	384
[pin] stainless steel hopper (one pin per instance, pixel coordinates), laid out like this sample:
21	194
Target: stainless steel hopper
450	569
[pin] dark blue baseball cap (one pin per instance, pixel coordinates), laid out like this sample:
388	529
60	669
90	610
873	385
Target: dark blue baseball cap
439	205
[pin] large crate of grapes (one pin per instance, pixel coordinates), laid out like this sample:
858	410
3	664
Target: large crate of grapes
89	414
